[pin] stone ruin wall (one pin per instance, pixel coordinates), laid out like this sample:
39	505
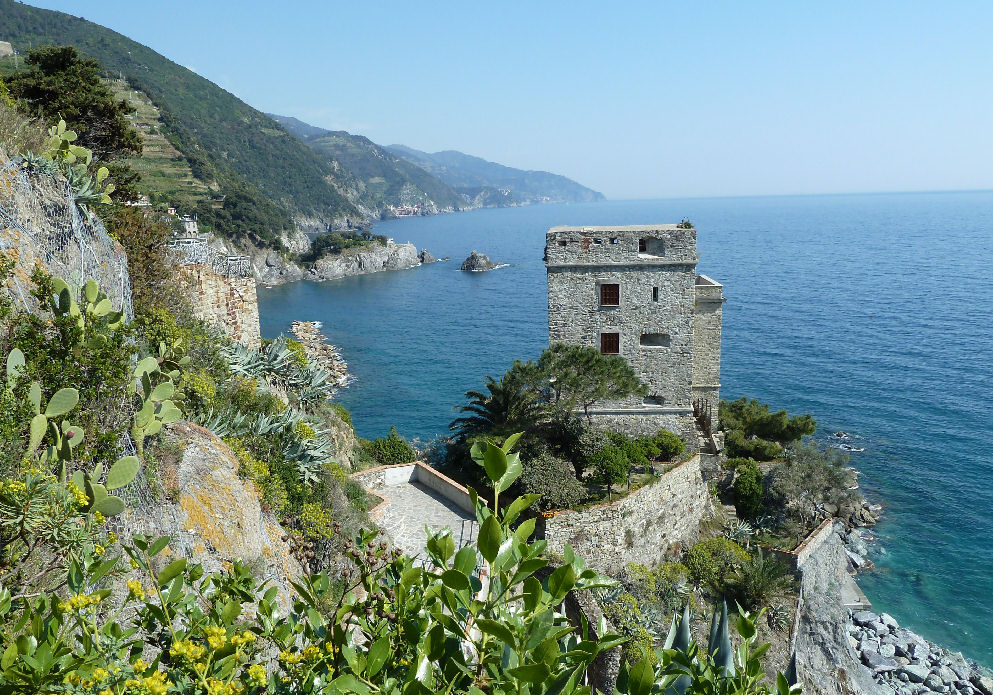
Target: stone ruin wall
707	318
645	527
228	302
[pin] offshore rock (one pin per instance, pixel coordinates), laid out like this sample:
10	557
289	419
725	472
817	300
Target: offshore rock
426	256
213	516
359	261
477	262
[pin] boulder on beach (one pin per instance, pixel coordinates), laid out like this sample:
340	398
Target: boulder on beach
477	262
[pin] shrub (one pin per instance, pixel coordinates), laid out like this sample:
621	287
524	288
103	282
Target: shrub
809	478
670	445
752	431
342	412
392	449
713	562
759	579
624	614
299	354
554	479
610	466
738	446
748	490
660	590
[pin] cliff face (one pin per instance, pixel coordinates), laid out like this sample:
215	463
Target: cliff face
212	516
825	660
365	260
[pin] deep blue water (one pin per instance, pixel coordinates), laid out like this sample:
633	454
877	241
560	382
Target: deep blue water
873	312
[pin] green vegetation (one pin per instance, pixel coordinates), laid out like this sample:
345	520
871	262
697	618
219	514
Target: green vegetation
476	177
714	562
224	633
751	431
376	177
572	461
391	450
748	491
247	155
810	484
336	242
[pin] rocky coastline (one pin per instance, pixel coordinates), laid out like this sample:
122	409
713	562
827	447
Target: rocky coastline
320	352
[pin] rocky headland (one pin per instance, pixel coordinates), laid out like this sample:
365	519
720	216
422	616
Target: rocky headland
370	259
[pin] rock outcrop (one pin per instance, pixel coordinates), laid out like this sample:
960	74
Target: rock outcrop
212	516
426	256
477	262
904	663
826	662
358	261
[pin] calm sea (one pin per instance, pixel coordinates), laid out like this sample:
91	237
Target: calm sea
873	312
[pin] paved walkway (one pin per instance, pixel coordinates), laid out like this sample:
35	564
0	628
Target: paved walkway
412	506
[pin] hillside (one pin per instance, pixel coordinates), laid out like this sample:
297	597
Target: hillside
226	143
374	177
472	176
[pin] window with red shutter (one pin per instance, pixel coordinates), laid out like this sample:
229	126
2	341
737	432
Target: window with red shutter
610	343
610	295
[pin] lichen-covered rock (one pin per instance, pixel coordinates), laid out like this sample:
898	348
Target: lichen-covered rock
212	515
477	262
359	261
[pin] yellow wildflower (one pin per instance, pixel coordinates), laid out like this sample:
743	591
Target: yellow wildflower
187	650
100	518
312	653
100	674
138	591
256	674
289	658
99	550
81	499
139	664
111	538
216	637
106	691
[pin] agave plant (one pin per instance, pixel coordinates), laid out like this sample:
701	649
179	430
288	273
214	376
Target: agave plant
740	532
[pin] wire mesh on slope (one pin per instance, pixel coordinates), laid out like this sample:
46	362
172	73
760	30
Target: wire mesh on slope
41	224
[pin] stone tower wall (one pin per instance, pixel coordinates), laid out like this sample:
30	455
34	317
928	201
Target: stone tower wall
707	319
229	302
656	318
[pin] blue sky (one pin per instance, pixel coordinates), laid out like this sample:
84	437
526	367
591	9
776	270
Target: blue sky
636	99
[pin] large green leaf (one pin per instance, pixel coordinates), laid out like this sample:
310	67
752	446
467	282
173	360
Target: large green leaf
561	582
39	425
122	472
110	506
147	365
641	678
497	629
454	579
495	462
530	673
62	402
163	391
518	506
172	570
378	654
490	538
34	396
15	361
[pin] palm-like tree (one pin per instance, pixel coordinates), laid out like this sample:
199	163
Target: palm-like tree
509	405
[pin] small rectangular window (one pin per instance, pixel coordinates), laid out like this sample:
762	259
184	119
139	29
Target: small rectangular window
610	343
610	294
613	240
562	242
642	245
655	294
655	340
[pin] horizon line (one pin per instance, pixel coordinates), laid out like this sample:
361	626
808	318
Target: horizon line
796	195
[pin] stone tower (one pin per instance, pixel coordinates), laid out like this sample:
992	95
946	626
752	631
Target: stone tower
634	291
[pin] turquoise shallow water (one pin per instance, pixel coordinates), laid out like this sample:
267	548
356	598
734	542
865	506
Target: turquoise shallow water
873	312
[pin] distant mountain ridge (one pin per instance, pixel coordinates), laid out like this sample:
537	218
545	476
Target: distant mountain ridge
473	176
375	179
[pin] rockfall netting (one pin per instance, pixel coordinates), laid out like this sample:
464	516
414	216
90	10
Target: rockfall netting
41	224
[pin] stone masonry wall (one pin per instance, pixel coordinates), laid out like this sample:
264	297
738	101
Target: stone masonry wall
229	302
707	317
668	319
641	527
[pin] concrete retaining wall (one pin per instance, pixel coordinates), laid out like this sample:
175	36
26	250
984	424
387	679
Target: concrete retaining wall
377	480
643	527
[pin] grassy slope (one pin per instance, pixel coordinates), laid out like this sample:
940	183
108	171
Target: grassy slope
221	137
463	171
380	177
